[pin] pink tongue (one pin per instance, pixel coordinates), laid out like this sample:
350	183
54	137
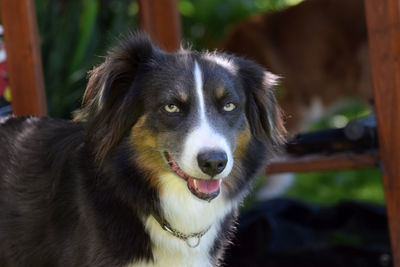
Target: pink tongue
207	186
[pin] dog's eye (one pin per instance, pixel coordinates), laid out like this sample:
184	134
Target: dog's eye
171	108
229	106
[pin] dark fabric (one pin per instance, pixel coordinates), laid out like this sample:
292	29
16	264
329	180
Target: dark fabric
284	232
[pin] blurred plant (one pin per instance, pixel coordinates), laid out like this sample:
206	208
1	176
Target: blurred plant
332	187
73	35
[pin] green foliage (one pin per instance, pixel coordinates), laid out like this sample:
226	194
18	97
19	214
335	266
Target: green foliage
73	36
333	187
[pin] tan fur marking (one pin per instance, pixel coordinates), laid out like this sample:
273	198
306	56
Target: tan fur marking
241	147
183	95
147	156
220	92
242	142
140	122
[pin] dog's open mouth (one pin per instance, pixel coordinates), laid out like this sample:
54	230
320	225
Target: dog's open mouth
201	188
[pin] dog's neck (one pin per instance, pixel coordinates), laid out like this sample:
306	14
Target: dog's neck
191	239
187	214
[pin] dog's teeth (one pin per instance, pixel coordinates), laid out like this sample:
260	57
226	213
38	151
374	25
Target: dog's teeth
195	184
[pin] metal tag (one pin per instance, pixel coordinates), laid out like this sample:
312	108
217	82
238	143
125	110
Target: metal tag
193	241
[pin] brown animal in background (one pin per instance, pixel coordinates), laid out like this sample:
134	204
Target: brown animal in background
320	49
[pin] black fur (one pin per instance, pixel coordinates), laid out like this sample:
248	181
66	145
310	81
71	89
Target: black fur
71	192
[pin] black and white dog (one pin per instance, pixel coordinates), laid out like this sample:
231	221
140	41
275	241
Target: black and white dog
152	170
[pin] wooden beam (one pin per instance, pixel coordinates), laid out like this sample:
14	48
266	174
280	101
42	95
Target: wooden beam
318	162
383	20
161	20
24	63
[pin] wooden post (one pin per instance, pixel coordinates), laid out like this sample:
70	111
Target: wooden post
24	62
383	22
321	162
161	20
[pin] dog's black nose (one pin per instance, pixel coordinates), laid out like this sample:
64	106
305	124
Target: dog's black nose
212	162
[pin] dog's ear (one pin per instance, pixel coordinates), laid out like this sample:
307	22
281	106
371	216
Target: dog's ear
262	110
113	79
112	90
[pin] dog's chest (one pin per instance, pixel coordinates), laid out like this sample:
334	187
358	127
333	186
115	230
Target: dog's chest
188	215
172	251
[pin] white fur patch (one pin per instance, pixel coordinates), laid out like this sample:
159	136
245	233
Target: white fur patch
187	214
223	62
100	96
203	137
198	80
270	79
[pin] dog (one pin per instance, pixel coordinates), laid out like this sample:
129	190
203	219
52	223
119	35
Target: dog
151	171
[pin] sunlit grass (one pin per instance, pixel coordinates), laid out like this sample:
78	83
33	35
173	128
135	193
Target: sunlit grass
333	187
293	2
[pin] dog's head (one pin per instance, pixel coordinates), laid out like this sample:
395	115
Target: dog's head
197	115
